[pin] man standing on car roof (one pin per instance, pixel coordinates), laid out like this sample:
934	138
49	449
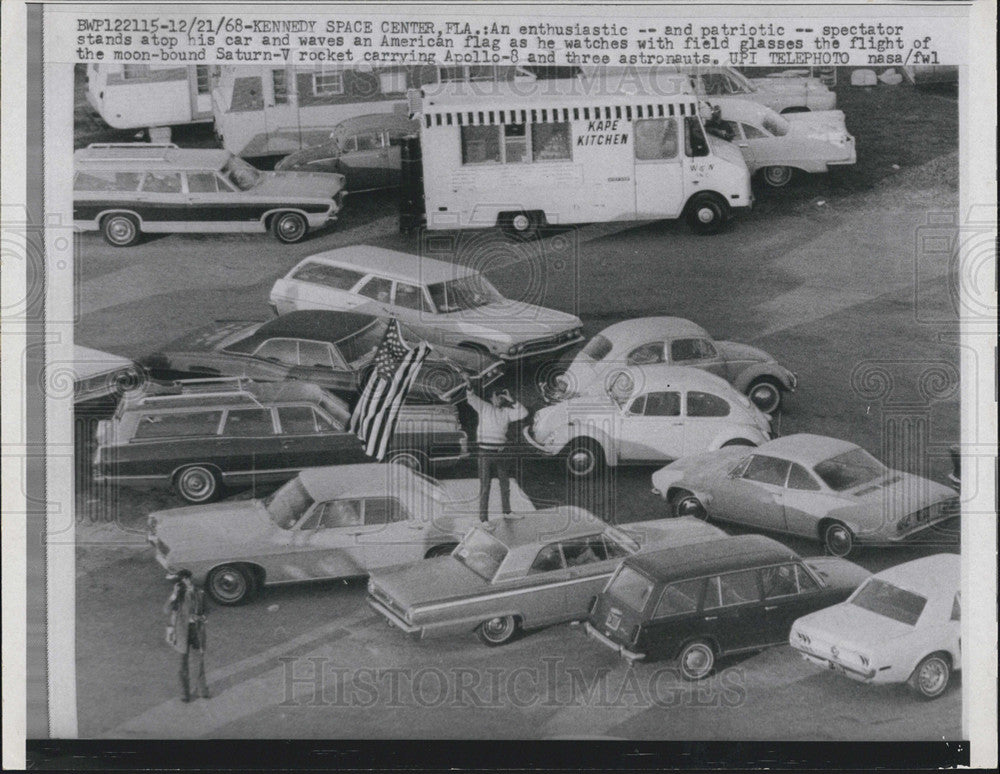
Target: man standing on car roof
491	438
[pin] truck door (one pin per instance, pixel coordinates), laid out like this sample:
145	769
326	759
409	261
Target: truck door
659	181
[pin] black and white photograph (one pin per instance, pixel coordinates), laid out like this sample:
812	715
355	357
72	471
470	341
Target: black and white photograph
611	374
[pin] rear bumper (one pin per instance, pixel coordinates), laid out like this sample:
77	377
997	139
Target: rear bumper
860	675
628	655
393	618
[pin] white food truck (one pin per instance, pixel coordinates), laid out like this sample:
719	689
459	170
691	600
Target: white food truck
519	157
151	97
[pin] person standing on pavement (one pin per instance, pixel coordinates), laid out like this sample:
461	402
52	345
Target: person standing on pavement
186	632
491	439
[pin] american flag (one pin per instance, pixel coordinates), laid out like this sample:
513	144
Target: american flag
396	368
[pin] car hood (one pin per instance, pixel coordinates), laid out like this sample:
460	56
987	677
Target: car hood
211	337
428	581
209	527
853	627
826	125
666	533
838	573
726	151
894	495
321	185
519	321
733	350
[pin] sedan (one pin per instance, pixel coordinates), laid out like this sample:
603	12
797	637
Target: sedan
332	349
671	341
521	572
902	626
333	522
808	485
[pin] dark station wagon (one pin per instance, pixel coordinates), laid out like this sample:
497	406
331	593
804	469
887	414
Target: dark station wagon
703	601
203	437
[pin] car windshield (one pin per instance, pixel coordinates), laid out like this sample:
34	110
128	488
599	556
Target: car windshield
742	83
241	174
631	588
482	553
850	469
288	503
597	348
890	601
775	124
464	293
358	345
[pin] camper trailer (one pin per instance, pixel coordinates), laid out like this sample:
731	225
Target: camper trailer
519	158
151	97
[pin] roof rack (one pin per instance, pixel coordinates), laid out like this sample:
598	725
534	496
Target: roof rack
228	386
132	145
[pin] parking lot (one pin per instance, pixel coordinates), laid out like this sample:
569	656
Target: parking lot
825	275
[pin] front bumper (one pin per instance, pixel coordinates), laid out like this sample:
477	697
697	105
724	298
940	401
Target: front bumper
393	618
543	347
628	655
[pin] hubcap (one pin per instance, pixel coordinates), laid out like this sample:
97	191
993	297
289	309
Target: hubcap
697	660
290	227
706	214
932	676
196	483
497	627
521	222
229	584
581	461
764	397
690	506
778	175
121	230
838	540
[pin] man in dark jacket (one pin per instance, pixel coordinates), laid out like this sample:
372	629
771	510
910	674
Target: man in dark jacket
187	624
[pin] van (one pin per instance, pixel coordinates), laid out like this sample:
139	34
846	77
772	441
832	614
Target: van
698	602
125	189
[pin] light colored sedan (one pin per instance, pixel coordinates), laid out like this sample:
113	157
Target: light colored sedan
525	572
777	146
902	625
647	414
809	485
670	341
333	522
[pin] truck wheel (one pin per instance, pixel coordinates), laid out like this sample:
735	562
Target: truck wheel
497	631
697	660
930	678
765	394
120	230
706	214
289	227
521	225
197	484
778	177
231	584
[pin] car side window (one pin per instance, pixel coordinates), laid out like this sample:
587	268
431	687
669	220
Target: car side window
315	354
299	420
583	551
752	132
378	288
663	404
329	276
187	424
956	607
799	478
549	558
99	180
285	351
369	141
162	182
613	550
638	406
806	581
704	404
733	588
340	513
767	470
780	581
691	349
680	597
248	423
202	182
646	354
382	510
410	297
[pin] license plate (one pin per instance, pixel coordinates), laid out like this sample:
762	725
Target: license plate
614	619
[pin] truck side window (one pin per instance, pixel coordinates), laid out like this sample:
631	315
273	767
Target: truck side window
695	143
515	140
480	144
656	139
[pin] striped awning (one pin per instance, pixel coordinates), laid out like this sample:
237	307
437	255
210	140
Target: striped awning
559	114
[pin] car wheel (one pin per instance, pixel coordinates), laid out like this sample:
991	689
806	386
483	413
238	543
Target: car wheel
231	584
444	549
522	225
686	504
737	442
778	177
498	631
289	227
838	539
930	678
706	214
765	394
408	458
120	230
584	458
697	660
197	484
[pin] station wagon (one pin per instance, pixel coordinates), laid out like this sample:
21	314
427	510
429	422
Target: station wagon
700	602
202	438
125	189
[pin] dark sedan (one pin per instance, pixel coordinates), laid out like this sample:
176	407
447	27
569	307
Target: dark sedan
332	349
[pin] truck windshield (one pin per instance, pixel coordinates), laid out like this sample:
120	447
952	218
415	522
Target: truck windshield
464	293
850	469
287	504
481	553
890	601
631	588
240	174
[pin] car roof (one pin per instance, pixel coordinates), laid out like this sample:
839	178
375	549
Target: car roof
372	479
736	109
312	324
806	448
657	376
391	263
711	557
545	526
654	326
148	156
398	121
928	575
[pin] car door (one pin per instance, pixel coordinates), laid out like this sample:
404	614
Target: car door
365	160
590	566
390	536
327	541
698	353
252	447
676	618
311	439
705	416
163	204
652	428
753	494
376	296
790	592
212	200
804	502
733	611
544	601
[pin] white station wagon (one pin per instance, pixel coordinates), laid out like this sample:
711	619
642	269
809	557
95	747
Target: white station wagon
647	414
445	303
